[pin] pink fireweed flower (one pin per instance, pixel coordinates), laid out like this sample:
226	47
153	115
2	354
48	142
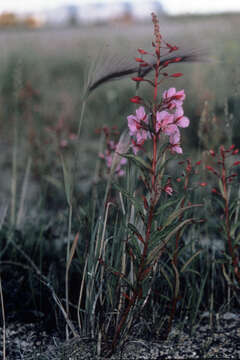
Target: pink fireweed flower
136	146
173	99
179	119
174	140
108	156
165	123
112	155
168	189
137	124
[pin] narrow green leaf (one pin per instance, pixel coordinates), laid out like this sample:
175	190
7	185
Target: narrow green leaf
178	213
67	181
138	161
193	272
135	246
154	254
118	273
136	232
184	267
220	202
234	230
163	207
167	278
132	199
199	298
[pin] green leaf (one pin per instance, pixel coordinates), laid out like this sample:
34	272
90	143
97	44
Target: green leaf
154	254
235	231
131	198
193	272
136	232
199	298
220	202
67	181
234	204
163	207
177	213
167	278
135	246
184	267
118	273
138	161
237	239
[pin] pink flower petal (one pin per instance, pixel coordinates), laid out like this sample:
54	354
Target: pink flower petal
183	122
175	137
177	148
140	112
171	130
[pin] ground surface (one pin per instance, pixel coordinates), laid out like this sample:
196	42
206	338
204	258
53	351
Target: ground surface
222	342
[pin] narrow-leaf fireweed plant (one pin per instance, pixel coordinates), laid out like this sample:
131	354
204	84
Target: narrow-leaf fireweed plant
155	139
224	170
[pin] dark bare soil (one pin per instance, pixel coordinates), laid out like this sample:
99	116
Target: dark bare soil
222	341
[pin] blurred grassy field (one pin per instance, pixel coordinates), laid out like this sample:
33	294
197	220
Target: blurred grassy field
43	74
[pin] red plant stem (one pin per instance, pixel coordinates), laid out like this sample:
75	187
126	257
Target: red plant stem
227	222
137	291
154	162
123	319
140	273
156	79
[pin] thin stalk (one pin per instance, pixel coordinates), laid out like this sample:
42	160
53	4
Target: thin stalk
81	293
81	118
14	172
67	260
4	320
24	192
137	293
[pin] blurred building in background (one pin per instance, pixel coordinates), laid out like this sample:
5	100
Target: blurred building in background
93	12
90	12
